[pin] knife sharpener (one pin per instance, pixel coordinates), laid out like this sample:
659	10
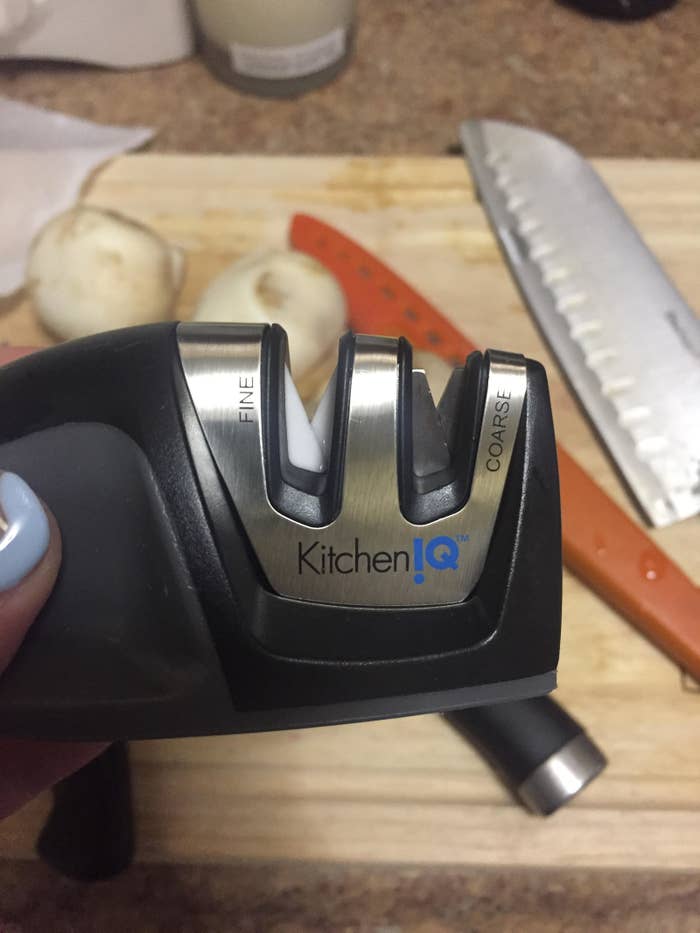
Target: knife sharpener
229	567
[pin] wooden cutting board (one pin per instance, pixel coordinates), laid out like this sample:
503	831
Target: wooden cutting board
411	790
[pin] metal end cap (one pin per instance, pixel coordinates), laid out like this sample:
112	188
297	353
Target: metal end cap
562	776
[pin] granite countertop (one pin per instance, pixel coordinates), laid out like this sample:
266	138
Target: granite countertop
621	89
296	897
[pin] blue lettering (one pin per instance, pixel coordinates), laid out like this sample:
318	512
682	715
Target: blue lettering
442	553
418	560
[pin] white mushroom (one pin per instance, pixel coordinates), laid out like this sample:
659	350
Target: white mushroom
283	287
92	270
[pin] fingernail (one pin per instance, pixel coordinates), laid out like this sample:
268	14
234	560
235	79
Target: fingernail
24	528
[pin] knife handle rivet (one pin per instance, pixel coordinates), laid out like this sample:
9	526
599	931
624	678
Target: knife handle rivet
651	566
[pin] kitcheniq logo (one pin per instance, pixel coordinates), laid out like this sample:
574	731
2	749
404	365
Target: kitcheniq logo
439	553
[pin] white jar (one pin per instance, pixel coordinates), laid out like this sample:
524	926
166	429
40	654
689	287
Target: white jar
278	48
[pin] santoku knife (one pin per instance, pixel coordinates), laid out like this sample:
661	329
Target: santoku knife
624	336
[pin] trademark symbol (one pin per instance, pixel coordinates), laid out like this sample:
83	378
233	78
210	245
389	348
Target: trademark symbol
462	537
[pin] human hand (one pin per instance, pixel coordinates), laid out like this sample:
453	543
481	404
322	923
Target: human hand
30	559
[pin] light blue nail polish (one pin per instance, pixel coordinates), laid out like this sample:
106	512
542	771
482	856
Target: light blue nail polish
25	530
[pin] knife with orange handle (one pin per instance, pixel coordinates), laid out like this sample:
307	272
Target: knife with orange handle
602	545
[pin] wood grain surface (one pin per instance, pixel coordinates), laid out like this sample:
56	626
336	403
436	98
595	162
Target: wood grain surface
410	790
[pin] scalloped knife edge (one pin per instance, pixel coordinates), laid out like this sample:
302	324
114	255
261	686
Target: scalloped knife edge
623	335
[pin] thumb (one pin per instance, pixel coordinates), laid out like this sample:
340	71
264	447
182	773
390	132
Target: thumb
30	555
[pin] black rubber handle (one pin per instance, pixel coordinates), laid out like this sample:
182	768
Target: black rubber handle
518	739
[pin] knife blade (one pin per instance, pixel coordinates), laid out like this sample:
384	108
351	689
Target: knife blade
624	336
602	546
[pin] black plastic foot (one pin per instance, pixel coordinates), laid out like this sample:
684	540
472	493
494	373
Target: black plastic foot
89	835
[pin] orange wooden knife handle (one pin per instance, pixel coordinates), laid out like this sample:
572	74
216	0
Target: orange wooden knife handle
618	560
602	545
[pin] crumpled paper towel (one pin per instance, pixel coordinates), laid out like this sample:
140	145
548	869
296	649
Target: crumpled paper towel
44	159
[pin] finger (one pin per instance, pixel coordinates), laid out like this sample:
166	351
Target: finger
8	354
27	767
30	556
